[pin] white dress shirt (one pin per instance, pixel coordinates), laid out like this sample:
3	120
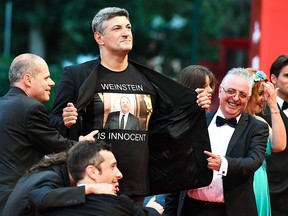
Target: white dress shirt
280	101
219	140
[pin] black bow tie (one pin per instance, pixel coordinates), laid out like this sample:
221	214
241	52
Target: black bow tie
285	105
221	121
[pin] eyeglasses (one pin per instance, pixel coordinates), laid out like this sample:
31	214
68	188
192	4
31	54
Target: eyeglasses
230	92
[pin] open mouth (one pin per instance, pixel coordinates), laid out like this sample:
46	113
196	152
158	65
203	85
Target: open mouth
232	104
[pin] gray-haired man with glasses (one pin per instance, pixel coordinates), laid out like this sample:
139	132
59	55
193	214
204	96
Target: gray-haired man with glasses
238	143
231	92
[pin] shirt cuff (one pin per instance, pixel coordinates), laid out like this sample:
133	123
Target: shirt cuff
224	166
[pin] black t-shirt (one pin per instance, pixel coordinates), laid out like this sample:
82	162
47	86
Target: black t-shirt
129	97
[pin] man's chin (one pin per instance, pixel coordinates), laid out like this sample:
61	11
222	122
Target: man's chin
46	99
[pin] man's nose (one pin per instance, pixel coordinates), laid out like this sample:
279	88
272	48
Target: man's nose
51	83
236	96
119	174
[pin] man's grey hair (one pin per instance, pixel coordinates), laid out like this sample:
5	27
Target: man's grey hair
239	73
22	64
106	14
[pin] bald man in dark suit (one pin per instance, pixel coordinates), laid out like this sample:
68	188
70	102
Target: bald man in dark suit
25	130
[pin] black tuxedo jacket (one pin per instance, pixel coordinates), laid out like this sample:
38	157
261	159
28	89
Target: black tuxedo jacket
41	190
104	205
245	154
277	172
113	121
25	137
177	129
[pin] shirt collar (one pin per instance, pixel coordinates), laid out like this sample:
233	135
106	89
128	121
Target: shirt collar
219	113
280	101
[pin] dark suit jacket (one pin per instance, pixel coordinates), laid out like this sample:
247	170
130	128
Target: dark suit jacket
245	154
277	172
177	127
113	121
43	189
25	136
104	205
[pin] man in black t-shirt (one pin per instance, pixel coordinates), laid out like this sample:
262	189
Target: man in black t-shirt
88	92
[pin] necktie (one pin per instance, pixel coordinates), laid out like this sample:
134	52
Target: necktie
122	122
285	105
221	121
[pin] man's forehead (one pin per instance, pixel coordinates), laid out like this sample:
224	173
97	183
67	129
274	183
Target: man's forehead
117	20
235	80
238	83
284	70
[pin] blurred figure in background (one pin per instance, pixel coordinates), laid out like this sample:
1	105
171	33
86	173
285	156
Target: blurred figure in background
198	78
277	163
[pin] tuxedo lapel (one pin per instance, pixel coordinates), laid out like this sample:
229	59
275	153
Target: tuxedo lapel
284	117
241	126
209	117
87	89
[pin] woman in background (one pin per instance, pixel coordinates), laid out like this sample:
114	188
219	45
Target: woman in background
198	77
264	93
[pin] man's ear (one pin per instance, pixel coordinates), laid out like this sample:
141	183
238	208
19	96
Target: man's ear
98	38
92	172
27	78
273	79
219	91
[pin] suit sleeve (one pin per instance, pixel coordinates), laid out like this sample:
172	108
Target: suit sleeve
256	141
41	134
52	193
107	124
66	92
